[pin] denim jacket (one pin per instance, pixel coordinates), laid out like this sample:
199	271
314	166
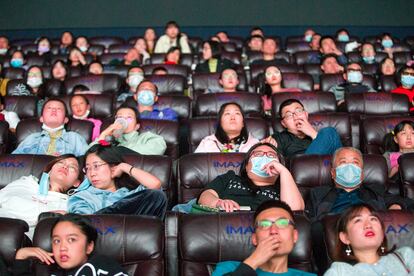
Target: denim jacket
37	143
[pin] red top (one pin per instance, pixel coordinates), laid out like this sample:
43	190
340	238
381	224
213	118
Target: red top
405	91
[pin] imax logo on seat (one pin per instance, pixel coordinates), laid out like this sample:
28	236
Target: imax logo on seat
399	228
317	123
226	164
241	230
16	164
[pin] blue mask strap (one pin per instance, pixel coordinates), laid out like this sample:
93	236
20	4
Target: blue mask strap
44	184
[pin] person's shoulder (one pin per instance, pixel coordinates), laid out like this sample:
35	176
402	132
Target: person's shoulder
226	267
407	253
339	268
101	263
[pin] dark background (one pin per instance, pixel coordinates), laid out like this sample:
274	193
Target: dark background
22	18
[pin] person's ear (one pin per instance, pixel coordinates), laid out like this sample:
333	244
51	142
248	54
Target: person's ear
137	126
295	235
220	82
395	139
283	123
333	173
41	119
90	248
66	120
345	76
135	97
343	237
254	239
156	99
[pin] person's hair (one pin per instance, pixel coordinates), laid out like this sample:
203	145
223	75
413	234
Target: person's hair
400	72
351	63
134	67
331	55
273	204
111	155
255	36
286	103
79	88
82	222
171	50
265	88
222	72
341	30
54	99
243	171
389	143
147	80
341	225
215	48
126	106
221	135
159	68
95	62
256	28
172	23
324	38
357	151
82	36
63	64
49	165
78	95
367	43
43	38
386	34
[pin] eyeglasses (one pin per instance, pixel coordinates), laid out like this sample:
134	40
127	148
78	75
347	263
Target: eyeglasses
71	168
280	223
408	73
94	167
289	115
269	74
127	118
259	153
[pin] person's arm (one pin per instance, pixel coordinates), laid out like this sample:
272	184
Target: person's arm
152	144
144	178
29	145
289	191
184	45
22	263
80	144
207	145
306	128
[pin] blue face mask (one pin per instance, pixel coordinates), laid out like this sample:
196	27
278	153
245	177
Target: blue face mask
387	43
354	77
146	97
258	163
348	175
44	184
407	81
16	63
369	60
343	38
308	38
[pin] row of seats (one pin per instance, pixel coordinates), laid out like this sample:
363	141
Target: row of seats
188	244
194	171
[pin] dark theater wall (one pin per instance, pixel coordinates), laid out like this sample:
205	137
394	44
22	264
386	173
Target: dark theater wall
125	16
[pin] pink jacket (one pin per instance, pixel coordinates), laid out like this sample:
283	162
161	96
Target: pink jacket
96	127
211	144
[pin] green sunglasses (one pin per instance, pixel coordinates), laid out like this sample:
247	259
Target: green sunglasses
280	223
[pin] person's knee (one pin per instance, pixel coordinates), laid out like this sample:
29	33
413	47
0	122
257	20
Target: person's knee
156	196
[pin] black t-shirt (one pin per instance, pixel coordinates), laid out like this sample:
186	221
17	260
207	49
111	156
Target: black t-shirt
232	186
289	144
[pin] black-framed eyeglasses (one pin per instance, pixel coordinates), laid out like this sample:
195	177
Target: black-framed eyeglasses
289	115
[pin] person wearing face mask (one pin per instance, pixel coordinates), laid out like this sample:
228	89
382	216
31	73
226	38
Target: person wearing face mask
262	177
342	35
353	83
147	97
387	44
406	78
43	49
368	53
17	60
134	78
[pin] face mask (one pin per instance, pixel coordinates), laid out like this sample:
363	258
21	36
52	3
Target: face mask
354	77
44	184
343	38
258	163
146	97
135	80
3	51
83	117
34	82
43	49
16	63
308	38
49	129
407	81
348	175
369	60
83	49
387	43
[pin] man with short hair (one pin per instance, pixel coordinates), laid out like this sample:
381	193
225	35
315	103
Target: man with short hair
146	98
133	79
53	139
4	45
300	136
131	58
255	43
269	50
353	83
330	65
327	46
314	44
274	238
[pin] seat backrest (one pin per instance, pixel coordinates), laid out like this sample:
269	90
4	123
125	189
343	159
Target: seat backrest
388	83
314	102
13	73
35	59
406	162
136	242
106	41
234	56
32	125
303	57
374	129
369	69
311	171
4	137
159	58
379	103
196	170
203	81
209	104
297	46
168	84
120	70
105	83
237	40
14	166
106	58
195	43
398	229
205	240
257	69
302	81
53	88
12	238
24	106
101	105
119	48
330	80
172	69
96	50
198	128
402	57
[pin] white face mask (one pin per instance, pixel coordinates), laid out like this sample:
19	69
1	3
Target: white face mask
135	80
83	117
50	129
34	82
3	51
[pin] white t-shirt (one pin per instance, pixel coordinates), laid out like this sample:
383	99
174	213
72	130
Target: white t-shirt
11	117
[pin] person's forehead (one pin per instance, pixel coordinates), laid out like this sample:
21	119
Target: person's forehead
354	66
125	111
135	70
264	148
410	70
291	107
147	86
367	47
273	213
78	99
330	60
231	107
272	69
229	72
327	41
348	154
34	70
70	160
54	104
270	41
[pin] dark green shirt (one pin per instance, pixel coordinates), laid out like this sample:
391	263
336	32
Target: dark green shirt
231	186
289	144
